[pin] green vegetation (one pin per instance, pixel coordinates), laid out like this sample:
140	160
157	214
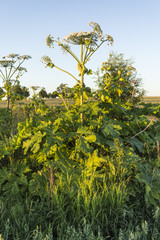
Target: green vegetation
64	179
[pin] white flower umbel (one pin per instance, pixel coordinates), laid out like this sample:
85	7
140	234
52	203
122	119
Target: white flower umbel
25	57
79	38
22	69
96	27
5	63
45	59
11	55
49	41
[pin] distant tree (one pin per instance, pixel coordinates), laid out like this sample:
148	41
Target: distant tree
64	91
25	91
19	92
42	93
88	91
49	95
54	94
35	88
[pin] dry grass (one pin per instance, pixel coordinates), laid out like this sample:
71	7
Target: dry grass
57	102
151	99
50	102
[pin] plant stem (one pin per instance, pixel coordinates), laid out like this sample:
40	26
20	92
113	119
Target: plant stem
68	50
16	69
81	84
82	76
88	45
3	77
93	52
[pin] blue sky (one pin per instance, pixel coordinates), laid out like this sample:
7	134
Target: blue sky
134	25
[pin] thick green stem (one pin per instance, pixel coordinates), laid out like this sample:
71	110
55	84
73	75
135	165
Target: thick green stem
81	97
81	84
7	100
82	77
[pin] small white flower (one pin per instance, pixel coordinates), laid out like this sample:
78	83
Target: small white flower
45	59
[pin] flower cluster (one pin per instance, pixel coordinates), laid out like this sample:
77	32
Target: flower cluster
49	41
22	69
78	38
11	55
131	68
45	59
96	27
109	39
24	57
14	55
6	63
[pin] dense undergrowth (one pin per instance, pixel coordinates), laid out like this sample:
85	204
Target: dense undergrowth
64	179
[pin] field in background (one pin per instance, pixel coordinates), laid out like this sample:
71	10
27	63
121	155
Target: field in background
149	99
56	101
50	102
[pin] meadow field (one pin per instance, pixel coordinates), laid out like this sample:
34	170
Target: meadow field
57	101
151	99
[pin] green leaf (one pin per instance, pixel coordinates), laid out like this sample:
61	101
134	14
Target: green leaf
136	144
82	145
155	194
111	129
91	138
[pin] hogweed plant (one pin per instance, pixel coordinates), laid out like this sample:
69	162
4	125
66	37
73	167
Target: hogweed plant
11	71
89	42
